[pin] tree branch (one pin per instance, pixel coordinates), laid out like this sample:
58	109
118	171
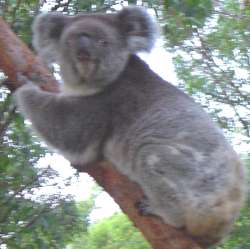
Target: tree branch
16	57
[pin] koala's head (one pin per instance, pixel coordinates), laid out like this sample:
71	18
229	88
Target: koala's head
93	49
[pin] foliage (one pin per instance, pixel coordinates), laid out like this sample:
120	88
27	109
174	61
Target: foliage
77	6
36	225
183	16
114	232
211	55
19	14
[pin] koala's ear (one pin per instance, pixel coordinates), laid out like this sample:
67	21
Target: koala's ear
139	28
47	29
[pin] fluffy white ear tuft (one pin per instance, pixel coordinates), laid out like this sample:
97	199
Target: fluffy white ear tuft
47	29
139	28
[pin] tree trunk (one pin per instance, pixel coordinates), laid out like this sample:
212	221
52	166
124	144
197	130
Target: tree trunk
16	57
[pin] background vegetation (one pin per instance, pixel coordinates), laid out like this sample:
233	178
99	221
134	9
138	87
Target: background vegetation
209	42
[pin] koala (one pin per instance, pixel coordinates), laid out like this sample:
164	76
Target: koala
113	107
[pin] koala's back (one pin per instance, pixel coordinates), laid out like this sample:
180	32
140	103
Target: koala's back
168	144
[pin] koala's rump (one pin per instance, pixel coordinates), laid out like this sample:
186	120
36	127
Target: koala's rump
191	176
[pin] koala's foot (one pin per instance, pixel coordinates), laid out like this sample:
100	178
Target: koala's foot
144	207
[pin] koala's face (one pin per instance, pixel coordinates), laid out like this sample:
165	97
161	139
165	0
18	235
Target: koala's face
96	52
93	49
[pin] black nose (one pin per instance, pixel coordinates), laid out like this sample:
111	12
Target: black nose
83	47
84	43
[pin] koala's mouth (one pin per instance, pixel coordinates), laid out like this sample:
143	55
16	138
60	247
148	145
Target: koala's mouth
85	66
83	57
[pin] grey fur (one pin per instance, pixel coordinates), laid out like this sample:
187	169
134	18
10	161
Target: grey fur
114	107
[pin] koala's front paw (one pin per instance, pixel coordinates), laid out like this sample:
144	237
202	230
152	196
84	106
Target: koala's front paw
23	94
25	90
26	83
23	79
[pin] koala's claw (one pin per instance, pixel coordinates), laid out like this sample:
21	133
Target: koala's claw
23	79
143	207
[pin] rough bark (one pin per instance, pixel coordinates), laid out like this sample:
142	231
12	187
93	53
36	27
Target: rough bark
16	57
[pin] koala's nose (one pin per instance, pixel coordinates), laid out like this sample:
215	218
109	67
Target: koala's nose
84	44
83	48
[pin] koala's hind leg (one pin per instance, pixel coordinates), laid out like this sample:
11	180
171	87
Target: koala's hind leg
163	195
165	179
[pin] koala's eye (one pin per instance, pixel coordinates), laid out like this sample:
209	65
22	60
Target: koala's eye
102	42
